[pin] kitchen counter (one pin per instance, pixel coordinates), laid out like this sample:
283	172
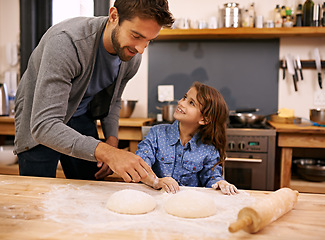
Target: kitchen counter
7	126
129	129
30	210
295	136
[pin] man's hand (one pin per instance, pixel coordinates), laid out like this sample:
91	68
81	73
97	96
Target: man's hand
126	164
104	170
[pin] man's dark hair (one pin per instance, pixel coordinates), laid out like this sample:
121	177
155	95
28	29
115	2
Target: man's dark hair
150	9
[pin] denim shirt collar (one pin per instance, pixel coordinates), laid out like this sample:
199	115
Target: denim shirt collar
175	138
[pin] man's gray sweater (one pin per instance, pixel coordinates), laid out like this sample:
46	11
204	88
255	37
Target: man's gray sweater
57	76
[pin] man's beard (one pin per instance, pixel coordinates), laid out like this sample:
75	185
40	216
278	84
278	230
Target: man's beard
117	46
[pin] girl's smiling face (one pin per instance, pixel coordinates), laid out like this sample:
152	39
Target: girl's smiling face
188	109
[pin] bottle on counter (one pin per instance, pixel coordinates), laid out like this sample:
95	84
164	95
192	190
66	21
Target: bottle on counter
307	15
245	18
322	15
277	17
289	20
283	13
251	12
316	16
299	16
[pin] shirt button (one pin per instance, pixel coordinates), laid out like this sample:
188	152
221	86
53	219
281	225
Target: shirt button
162	159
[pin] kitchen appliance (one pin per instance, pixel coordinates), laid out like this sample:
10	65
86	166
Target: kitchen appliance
250	162
4	105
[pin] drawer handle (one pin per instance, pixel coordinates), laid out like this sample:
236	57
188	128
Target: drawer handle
244	160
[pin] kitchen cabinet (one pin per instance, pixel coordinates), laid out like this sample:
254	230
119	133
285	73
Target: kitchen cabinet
25	201
246	33
290	136
7	126
129	129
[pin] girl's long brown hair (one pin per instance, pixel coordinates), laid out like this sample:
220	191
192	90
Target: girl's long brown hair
215	113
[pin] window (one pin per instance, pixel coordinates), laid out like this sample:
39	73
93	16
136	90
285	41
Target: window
63	9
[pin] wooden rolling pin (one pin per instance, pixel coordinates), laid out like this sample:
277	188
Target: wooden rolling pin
252	219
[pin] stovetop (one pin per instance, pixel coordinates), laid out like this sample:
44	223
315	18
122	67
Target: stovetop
243	130
254	126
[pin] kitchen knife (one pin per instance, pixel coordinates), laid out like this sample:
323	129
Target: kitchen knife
291	70
284	68
299	67
295	68
318	67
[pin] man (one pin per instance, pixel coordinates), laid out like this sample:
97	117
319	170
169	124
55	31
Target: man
77	74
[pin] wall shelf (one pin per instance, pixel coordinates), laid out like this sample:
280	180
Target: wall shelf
239	33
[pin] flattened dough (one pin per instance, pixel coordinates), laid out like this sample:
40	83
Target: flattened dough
190	204
130	201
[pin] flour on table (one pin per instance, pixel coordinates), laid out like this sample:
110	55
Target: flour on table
130	201
82	209
190	204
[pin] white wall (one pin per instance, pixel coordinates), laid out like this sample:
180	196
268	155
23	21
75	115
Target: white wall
300	101
137	89
9	32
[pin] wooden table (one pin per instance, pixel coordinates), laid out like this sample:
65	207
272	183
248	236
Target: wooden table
24	215
129	129
295	136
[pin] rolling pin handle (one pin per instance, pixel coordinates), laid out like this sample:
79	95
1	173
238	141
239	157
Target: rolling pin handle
240	224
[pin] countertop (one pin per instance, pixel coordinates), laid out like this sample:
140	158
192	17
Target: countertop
45	208
297	128
129	129
7	124
291	136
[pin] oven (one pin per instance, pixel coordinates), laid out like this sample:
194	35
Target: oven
250	162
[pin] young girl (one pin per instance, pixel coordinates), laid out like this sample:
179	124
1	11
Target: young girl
189	152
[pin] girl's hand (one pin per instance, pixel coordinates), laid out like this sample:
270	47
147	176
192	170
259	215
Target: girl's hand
169	184
225	187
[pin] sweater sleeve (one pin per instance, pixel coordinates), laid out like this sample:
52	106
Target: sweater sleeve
58	68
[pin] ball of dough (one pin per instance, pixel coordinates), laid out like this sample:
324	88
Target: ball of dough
190	204
130	201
